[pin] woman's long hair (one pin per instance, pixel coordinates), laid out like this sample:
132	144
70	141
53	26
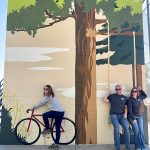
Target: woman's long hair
50	91
142	105
131	94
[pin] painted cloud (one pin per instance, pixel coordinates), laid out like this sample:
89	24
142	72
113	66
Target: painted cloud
70	92
45	68
30	54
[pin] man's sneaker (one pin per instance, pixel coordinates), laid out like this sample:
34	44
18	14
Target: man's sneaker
45	131
54	146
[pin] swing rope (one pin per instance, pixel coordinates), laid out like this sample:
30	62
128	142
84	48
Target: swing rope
108	55
134	64
108	37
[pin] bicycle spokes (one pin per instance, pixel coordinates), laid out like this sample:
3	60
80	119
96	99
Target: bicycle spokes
67	132
28	133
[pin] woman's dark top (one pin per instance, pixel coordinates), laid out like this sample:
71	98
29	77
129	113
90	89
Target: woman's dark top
135	104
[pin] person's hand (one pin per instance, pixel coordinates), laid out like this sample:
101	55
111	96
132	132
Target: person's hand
125	115
139	88
134	121
109	92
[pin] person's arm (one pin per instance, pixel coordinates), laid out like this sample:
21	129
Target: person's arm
126	108
143	94
41	103
130	111
125	112
106	99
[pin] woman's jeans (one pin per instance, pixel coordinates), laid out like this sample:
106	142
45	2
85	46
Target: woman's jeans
116	120
138	132
58	119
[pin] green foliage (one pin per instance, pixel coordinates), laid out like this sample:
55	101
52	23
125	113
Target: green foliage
123	48
16	5
24	19
134	5
29	19
98	1
120	20
122	45
59	3
7	133
89	4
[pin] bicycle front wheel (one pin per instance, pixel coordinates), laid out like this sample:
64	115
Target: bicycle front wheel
67	132
25	135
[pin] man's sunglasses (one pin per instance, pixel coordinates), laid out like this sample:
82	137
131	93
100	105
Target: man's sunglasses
118	89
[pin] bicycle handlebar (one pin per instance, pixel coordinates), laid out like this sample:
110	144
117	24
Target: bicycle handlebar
29	110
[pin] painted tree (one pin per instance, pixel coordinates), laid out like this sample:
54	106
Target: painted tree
7	133
122	43
132	22
31	16
122	46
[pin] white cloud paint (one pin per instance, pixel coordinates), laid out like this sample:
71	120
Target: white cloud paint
31	54
45	68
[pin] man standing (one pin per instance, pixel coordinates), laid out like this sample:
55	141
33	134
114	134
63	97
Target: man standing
118	115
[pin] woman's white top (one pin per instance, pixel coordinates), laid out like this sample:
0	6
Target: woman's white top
52	103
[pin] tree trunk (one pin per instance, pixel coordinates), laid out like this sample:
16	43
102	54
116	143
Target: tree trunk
85	77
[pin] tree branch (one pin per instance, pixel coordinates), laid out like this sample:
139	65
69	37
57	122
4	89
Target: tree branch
128	33
44	26
99	21
50	15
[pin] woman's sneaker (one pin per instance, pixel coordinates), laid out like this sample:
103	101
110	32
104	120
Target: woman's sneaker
54	146
45	131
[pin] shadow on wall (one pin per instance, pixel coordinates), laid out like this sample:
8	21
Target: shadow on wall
7	133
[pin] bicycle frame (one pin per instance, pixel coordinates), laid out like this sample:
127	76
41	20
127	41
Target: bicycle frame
34	116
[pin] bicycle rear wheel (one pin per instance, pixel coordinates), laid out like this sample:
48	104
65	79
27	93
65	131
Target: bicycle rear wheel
25	136
67	132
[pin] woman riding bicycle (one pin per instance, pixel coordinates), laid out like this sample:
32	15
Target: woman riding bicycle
56	111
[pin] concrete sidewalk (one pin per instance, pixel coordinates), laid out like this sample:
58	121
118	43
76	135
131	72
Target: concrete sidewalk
67	147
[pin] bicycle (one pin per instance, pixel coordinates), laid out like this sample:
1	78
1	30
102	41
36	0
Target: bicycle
28	130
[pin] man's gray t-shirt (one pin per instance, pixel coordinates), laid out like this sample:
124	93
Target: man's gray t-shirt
118	103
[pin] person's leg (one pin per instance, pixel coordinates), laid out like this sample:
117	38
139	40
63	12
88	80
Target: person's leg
135	128
141	132
58	120
115	123
47	115
124	123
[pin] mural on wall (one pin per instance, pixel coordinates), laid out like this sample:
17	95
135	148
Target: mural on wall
90	21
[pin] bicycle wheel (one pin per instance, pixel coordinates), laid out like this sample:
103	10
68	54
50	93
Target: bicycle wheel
27	137
67	132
